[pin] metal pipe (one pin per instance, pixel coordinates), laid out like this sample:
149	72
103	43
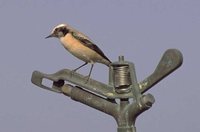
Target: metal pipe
87	98
125	113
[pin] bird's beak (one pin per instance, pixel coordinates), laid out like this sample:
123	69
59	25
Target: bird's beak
51	35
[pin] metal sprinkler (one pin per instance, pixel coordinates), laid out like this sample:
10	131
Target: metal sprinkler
122	86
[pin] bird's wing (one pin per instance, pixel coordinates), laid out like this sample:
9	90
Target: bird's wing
77	33
88	43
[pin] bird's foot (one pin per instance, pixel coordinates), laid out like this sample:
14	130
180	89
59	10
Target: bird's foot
87	79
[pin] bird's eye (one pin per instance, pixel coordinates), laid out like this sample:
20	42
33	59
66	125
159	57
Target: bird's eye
64	30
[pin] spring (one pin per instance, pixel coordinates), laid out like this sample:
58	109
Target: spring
122	77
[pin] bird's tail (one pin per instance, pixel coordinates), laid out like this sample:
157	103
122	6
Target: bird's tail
106	62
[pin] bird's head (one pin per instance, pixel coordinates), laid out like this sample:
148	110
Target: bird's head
59	31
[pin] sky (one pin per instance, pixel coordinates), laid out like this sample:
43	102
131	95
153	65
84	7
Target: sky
140	30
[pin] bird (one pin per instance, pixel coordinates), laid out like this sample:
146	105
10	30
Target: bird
79	45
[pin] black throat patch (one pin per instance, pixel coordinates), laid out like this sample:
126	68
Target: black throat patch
64	30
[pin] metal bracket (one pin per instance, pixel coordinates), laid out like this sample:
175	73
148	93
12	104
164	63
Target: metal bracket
77	79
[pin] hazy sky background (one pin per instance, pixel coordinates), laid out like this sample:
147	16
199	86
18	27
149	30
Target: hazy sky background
141	30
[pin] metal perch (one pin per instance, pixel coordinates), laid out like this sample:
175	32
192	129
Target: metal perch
122	85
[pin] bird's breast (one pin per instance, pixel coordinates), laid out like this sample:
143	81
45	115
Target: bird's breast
69	42
79	50
74	46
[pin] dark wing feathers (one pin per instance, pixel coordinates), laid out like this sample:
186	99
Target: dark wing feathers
90	45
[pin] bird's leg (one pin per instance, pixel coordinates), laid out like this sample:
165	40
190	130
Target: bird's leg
78	68
88	77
